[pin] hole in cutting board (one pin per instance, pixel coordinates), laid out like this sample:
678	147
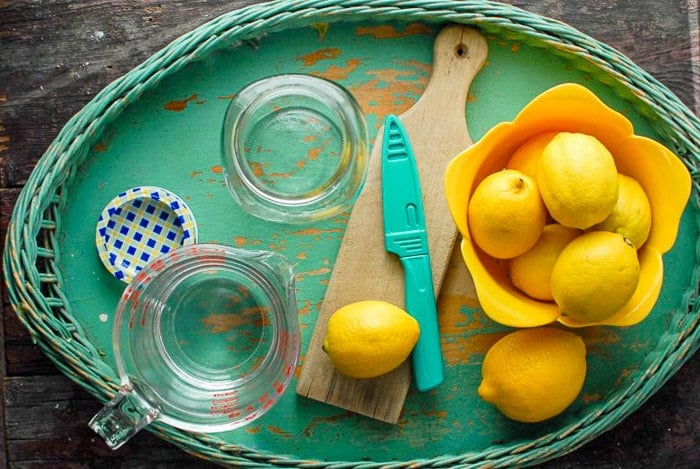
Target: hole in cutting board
461	50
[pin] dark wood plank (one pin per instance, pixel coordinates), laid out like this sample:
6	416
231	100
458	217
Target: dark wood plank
7	201
656	35
19	355
66	52
80	453
47	415
3	371
26	359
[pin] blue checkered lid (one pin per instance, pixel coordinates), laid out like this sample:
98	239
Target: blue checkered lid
139	225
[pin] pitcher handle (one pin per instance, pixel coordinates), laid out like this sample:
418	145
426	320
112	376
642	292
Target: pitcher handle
124	416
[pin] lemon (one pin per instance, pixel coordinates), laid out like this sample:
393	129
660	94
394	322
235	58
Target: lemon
534	374
577	178
595	275
526	158
369	338
631	216
531	271
506	214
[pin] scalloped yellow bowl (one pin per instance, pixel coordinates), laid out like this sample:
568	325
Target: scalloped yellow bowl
569	107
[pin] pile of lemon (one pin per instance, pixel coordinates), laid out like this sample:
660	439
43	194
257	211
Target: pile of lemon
567	222
569	227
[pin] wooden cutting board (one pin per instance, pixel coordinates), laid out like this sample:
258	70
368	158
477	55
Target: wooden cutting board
363	270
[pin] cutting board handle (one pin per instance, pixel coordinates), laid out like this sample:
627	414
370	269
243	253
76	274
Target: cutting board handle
459	52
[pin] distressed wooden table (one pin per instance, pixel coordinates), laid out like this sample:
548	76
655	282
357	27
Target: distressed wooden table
56	55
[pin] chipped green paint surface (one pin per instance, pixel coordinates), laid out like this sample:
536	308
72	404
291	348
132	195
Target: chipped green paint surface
171	138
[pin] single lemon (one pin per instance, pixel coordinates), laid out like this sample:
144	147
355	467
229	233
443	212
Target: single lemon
369	338
534	374
631	216
531	271
595	275
526	158
577	178
506	214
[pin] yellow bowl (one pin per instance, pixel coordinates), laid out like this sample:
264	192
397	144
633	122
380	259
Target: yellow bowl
572	108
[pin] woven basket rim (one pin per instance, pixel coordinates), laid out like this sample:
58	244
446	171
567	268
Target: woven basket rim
41	306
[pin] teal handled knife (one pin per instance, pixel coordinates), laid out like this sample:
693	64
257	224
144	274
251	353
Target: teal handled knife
405	235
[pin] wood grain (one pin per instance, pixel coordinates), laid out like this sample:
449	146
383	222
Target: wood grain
363	270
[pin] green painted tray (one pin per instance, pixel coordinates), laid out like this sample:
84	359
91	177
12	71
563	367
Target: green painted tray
160	125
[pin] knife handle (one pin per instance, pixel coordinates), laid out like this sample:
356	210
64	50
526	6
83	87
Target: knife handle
428	369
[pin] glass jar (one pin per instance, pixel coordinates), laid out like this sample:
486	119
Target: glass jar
295	148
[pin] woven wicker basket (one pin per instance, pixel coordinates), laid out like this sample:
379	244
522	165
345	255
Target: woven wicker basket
32	258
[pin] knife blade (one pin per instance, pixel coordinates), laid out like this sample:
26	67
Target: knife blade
406	236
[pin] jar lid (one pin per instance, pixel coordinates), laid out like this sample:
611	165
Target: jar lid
139	225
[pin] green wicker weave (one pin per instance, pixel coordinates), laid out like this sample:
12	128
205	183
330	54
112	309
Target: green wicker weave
32	258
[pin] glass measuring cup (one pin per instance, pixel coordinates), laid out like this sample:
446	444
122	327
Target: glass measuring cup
206	338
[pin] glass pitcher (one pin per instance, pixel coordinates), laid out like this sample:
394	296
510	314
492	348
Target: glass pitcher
206	338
